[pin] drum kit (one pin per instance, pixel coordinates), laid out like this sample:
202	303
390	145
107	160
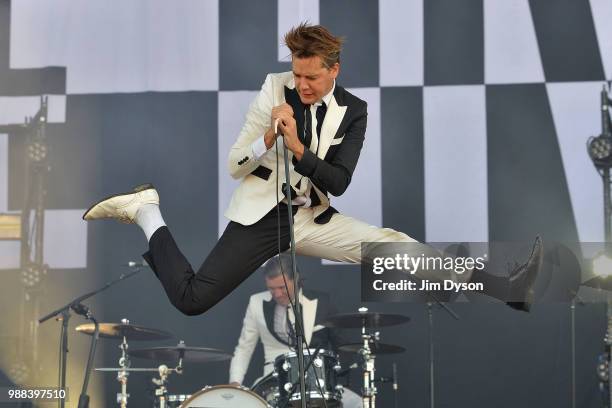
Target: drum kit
277	390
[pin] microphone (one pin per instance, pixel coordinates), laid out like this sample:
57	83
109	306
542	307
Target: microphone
134	264
81	309
395	377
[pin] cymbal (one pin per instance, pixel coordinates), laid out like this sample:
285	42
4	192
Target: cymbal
376	348
189	354
599	282
121	330
367	319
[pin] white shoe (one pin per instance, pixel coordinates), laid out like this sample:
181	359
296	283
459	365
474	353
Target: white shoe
123	207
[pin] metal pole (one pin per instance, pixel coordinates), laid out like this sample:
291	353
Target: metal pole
64	355
431	357
607	206
299	322
573	345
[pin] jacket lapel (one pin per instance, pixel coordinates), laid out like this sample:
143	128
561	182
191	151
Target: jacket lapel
309	311
331	123
268	309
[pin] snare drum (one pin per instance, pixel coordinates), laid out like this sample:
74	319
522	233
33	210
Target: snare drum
225	396
324	369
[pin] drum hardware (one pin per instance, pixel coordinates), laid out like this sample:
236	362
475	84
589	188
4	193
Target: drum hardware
179	353
369	347
320	379
176	400
267	388
124	331
161	392
369	389
376	348
63	314
124	370
346	371
122	375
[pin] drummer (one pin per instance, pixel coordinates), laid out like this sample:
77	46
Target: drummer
269	318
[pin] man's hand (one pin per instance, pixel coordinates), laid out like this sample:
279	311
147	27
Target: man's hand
287	126
280	111
277	111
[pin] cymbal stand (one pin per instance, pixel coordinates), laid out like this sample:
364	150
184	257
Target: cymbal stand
369	360
161	392
122	376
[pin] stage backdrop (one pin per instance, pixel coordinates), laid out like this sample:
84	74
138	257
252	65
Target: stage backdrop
479	111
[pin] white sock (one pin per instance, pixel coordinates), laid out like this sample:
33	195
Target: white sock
149	218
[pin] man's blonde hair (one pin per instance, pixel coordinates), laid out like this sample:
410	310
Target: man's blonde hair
306	41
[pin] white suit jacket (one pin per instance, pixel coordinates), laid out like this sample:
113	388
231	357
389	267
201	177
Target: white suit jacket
330	169
258	325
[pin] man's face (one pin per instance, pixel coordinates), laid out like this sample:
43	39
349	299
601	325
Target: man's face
276	286
312	79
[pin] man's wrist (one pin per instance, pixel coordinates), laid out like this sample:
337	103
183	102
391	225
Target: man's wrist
269	138
299	152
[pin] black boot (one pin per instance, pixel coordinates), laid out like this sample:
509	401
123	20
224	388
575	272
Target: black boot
516	290
522	279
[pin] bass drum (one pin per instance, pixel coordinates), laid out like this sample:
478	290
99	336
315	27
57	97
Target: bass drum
225	396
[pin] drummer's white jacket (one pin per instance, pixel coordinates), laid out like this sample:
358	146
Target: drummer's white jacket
258	324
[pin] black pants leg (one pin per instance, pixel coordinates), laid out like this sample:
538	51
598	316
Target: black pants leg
238	253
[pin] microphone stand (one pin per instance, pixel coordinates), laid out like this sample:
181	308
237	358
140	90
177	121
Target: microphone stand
581	302
84	310
430	303
395	387
63	314
299	333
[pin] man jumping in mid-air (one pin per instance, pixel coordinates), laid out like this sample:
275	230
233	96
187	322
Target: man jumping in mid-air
323	127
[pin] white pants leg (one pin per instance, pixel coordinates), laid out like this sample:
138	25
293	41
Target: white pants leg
340	240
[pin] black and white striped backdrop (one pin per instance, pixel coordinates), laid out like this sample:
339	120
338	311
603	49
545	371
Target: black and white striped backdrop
479	111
